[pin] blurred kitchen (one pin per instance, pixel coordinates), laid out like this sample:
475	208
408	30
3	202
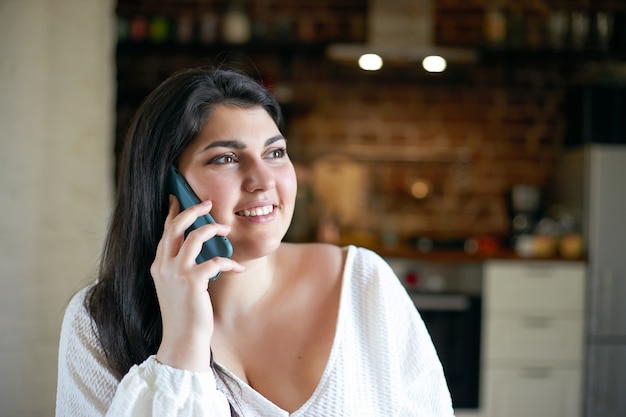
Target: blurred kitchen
469	174
491	180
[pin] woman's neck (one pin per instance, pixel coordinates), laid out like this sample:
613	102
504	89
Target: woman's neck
234	294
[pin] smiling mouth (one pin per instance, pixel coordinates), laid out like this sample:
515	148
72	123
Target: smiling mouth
258	211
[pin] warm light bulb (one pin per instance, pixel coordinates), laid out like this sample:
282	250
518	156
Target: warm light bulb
370	62
420	189
434	63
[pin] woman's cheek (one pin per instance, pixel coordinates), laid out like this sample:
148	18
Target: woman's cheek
220	194
290	183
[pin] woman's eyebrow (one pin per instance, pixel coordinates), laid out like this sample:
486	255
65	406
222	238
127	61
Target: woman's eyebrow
274	139
236	144
232	144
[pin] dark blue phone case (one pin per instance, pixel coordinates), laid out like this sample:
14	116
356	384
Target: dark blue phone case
217	245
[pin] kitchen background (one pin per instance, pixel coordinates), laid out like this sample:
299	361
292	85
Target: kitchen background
399	155
414	164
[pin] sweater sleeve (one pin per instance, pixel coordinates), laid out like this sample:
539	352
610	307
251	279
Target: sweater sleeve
419	383
153	389
87	387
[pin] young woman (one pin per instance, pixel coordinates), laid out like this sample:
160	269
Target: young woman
286	329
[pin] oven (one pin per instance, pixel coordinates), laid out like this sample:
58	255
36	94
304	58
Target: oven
448	297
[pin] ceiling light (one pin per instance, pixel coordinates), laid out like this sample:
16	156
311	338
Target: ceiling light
370	62
434	63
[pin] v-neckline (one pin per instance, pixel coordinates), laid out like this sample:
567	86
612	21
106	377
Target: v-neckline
247	392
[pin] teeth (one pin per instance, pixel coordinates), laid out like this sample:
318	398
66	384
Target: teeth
259	211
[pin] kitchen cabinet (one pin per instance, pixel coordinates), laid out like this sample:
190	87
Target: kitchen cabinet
533	338
534	391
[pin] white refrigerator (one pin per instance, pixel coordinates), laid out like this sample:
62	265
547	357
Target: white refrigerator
591	181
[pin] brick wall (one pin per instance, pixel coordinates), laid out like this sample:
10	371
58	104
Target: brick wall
471	140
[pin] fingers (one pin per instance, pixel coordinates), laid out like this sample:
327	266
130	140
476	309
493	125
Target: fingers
171	238
197	237
219	264
181	286
177	222
180	252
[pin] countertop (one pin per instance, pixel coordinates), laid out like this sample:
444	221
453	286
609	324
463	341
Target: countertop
458	256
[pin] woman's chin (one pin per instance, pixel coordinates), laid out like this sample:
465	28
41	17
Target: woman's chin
250	250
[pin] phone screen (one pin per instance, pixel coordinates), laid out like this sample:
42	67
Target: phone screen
217	245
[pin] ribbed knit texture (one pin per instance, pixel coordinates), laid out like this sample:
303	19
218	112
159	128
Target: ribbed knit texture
382	364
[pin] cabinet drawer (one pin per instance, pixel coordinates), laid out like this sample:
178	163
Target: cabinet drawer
527	391
534	337
534	285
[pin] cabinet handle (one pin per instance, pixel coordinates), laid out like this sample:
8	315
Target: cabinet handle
537	322
536	373
539	271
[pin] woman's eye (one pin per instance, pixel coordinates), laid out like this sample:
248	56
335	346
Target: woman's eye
277	153
227	158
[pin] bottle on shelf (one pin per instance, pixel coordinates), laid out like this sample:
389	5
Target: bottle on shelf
495	23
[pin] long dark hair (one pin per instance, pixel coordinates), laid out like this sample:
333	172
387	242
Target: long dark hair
123	302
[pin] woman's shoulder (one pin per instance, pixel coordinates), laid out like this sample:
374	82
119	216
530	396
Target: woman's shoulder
329	255
320	262
79	339
324	255
77	317
328	260
364	261
78	333
76	305
86	384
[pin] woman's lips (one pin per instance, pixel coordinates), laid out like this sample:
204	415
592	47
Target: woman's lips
256	211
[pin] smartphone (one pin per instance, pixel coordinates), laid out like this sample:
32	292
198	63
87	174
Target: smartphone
217	245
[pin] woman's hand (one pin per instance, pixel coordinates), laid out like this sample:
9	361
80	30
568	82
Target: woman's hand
181	287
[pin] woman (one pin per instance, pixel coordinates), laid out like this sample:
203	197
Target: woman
286	329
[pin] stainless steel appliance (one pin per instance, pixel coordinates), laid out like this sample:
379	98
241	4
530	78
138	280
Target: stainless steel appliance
591	183
525	210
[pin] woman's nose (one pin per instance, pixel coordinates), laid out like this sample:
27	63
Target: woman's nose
259	177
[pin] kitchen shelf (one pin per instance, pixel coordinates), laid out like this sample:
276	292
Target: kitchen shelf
458	256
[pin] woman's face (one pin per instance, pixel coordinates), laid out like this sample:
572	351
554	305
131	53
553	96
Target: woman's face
239	162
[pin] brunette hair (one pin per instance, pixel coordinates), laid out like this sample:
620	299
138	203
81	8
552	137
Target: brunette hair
123	303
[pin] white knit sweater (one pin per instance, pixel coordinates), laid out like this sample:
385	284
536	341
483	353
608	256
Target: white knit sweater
382	364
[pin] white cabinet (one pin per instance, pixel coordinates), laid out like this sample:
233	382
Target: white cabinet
518	391
532	346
